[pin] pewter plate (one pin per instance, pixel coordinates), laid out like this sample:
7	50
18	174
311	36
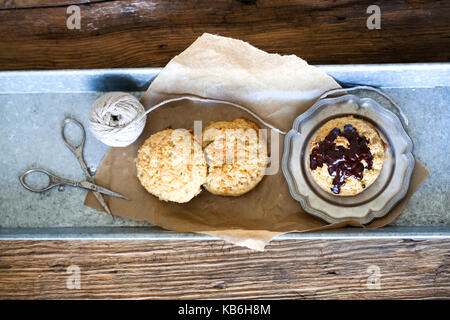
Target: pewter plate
379	198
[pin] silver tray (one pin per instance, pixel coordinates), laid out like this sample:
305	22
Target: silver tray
33	104
374	202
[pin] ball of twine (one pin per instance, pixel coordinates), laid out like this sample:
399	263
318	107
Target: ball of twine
117	119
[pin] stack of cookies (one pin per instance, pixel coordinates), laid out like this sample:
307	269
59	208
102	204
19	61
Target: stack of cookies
229	161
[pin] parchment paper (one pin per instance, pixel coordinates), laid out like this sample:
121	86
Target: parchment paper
278	89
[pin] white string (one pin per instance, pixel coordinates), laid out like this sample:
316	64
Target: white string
118	119
195	98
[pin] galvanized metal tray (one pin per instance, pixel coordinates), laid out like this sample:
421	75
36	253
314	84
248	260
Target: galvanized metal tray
33	104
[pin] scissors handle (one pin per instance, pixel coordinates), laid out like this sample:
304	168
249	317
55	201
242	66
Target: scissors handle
77	150
53	181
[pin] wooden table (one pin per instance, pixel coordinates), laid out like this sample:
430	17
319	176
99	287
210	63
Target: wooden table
34	35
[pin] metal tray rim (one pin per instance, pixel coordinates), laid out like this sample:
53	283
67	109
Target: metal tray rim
399	75
157	233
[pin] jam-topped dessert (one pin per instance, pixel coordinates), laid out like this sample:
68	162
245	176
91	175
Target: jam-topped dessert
346	156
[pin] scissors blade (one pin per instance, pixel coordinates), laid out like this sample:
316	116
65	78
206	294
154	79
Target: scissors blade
96	188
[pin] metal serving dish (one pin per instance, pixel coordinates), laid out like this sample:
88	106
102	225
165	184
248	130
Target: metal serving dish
374	202
34	103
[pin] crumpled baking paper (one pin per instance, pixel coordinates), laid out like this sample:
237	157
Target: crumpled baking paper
278	89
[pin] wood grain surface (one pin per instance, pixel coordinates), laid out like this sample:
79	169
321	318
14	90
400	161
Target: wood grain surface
214	269
132	33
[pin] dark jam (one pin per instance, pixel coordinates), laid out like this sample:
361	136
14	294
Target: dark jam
342	162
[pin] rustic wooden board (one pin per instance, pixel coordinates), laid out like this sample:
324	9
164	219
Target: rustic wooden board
133	33
214	269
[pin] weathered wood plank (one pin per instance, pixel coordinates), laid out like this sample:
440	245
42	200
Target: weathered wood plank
26	4
148	34
214	269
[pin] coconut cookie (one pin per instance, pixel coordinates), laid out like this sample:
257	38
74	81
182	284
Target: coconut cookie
171	165
346	156
236	156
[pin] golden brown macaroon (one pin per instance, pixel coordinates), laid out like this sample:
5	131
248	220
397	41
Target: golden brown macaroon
354	176
236	156
171	165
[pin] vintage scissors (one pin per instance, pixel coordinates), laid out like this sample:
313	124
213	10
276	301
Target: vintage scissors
57	181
